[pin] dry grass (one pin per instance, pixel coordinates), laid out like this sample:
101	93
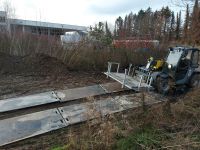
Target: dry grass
139	129
152	128
166	126
82	56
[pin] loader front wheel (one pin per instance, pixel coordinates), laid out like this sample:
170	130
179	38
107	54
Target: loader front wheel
195	81
162	85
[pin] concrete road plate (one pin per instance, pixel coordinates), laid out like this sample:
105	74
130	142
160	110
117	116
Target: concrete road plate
81	112
22	127
134	101
113	87
77	93
27	101
107	106
128	101
77	113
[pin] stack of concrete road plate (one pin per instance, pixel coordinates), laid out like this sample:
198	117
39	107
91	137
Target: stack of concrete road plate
29	125
78	93
27	101
22	127
89	91
58	96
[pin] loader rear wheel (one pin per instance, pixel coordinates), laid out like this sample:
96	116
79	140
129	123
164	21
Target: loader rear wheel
195	81
162	85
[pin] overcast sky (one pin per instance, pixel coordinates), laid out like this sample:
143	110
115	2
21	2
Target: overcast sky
81	12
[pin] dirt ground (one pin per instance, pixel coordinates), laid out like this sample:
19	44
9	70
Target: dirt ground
27	75
21	76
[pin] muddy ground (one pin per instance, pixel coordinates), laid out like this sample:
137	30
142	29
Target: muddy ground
27	75
21	76
39	73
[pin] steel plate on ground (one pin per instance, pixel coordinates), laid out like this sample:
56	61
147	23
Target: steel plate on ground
112	87
77	93
27	101
128	101
22	127
81	112
107	106
134	100
77	113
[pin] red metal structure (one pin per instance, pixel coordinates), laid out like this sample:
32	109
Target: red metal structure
135	43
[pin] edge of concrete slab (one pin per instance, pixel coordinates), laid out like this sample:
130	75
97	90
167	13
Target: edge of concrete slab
50	120
26	126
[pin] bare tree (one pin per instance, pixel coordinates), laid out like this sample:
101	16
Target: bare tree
183	3
10	13
9	9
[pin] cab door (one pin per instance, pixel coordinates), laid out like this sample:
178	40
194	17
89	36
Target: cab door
187	66
183	67
195	59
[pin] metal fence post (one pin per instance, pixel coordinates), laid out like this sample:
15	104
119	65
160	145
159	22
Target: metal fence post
151	79
140	82
118	68
129	70
148	78
124	78
108	72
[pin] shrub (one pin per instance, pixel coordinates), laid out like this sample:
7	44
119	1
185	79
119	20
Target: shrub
81	56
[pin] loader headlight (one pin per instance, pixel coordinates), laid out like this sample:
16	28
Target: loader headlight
170	66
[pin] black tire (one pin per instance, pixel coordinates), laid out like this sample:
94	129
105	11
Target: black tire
162	85
194	81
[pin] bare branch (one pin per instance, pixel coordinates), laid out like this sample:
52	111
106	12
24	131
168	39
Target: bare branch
183	3
9	9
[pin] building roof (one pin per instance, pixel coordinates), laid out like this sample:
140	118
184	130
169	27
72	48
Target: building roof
2	13
47	25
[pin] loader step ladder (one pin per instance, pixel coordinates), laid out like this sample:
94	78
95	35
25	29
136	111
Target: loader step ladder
133	79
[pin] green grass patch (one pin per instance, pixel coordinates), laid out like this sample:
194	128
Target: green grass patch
195	137
147	137
65	147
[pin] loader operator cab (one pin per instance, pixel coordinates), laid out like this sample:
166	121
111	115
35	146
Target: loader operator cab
178	62
181	68
181	60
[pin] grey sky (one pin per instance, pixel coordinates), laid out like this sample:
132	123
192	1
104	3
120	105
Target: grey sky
81	12
124	6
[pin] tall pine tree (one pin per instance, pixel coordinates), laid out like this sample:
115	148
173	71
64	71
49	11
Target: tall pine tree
195	23
172	27
186	24
178	25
